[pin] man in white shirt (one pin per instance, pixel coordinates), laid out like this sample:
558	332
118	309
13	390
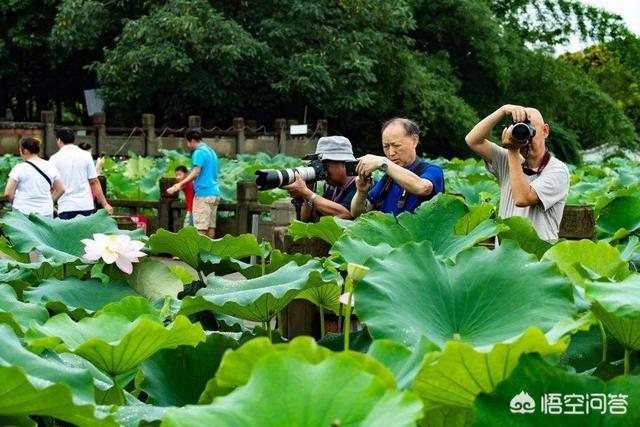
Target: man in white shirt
533	183
79	176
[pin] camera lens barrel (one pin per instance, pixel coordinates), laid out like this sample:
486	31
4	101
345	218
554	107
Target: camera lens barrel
267	179
521	133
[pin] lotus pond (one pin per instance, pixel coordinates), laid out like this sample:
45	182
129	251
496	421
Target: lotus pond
450	332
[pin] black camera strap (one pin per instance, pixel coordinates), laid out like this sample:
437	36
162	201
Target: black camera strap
44	175
545	161
417	167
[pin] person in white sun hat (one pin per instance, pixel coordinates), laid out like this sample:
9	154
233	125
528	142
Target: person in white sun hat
335	152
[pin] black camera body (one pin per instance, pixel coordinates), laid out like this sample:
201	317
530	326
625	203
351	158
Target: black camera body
522	133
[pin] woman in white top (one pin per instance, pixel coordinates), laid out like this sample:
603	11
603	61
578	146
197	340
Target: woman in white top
35	184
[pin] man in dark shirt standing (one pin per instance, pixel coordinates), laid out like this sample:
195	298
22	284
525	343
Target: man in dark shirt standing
335	152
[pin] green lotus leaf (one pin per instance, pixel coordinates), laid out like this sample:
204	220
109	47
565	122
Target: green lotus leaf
21	396
48	268
57	240
485	298
403	362
619	218
599	257
17	278
18	314
476	215
471	190
154	280
536	378
183	274
133	307
111	341
32	385
187	244
7	249
520	230
359	341
80	298
329	229
139	415
617	306
447	416
375	235
585	350
325	296
236	366
460	372
258	299
276	260
177	377
297	391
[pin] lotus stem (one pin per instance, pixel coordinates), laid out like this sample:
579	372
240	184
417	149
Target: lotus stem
201	276
263	265
603	334
627	353
323	329
119	391
269	330
347	322
280	323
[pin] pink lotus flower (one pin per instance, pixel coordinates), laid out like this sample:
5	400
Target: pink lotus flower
344	299
118	248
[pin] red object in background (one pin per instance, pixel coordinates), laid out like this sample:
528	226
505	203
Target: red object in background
140	220
188	195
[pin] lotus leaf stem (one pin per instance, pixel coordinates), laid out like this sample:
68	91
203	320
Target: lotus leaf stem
269	330
603	334
323	329
347	322
627	353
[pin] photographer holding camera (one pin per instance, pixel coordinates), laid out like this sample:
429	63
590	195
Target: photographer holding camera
533	183
334	152
408	180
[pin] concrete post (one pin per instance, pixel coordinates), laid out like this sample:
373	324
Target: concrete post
195	122
238	128
100	134
323	127
247	193
164	206
149	127
49	132
280	132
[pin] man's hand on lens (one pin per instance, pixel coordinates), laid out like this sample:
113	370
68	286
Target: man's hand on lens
363	183
506	140
517	112
367	164
298	188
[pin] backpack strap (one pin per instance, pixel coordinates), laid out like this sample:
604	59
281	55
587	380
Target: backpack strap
44	175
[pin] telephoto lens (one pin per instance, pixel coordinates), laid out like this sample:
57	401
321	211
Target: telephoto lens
268	179
522	133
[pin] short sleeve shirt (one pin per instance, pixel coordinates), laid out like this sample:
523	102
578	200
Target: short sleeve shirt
33	192
392	196
551	185
76	169
205	184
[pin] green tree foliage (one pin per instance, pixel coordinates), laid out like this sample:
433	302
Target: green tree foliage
445	63
614	66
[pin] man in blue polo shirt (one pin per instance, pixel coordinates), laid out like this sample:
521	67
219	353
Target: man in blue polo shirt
408	180
204	175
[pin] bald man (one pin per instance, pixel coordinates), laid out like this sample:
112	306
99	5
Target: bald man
533	183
